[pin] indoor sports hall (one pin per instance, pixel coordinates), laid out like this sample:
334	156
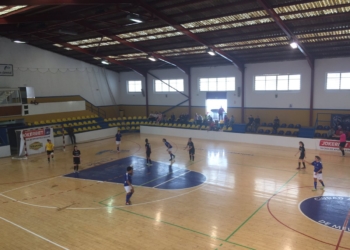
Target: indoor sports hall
233	114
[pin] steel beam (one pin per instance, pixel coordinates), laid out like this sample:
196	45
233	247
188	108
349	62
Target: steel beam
312	93
188	33
242	96
62	2
139	48
268	8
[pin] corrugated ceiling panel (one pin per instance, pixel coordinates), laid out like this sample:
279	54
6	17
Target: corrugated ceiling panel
8	9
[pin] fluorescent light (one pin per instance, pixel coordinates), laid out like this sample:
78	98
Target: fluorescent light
68	32
135	18
211	52
105	62
19	41
152	58
294	45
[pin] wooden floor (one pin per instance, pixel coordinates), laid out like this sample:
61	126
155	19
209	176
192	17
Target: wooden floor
250	200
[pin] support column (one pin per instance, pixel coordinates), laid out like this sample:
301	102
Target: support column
190	94
311	110
242	93
146	93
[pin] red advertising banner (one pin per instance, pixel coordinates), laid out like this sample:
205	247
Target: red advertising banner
33	133
332	145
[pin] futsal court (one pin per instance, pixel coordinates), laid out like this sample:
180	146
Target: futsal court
233	196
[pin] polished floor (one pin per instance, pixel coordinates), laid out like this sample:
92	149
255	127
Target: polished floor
233	196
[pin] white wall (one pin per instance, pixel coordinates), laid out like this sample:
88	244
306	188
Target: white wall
52	74
199	97
266	99
330	99
54	107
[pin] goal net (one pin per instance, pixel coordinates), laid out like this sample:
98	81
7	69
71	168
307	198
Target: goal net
33	140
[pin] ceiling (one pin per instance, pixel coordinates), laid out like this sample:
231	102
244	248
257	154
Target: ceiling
178	33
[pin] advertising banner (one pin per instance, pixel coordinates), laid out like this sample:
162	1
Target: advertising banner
6	70
331	145
36	140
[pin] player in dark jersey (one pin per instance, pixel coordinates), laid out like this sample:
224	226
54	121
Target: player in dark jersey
318	167
302	155
128	184
148	153
118	139
76	159
169	149
191	149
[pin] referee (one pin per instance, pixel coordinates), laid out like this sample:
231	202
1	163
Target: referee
191	149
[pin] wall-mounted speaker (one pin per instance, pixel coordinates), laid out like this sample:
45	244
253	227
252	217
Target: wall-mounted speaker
239	91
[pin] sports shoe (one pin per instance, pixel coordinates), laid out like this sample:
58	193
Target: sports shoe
170	159
127	203
298	168
303	167
314	189
322	188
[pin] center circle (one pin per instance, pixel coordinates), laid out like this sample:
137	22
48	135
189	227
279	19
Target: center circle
329	211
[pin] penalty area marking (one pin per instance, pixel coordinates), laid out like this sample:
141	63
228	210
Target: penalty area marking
35	234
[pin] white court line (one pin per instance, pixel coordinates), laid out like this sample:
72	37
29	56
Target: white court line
37	235
172	179
28	185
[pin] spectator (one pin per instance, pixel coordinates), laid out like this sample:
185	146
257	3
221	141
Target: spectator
172	118
70	131
256	123
276	124
221	112
232	121
330	133
226	120
250	121
200	120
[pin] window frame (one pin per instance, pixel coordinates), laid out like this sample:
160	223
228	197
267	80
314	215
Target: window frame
339	81
276	80
210	79
170	90
128	87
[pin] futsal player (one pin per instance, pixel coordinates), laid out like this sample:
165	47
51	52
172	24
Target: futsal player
302	155
148	153
191	149
318	167
118	138
128	184
342	141
169	149
76	159
49	148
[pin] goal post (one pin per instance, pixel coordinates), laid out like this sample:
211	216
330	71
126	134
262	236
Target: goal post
33	140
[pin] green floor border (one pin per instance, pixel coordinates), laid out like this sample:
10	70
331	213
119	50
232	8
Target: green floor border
240	226
177	226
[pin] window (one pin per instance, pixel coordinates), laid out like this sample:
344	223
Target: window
134	86
217	84
175	84
277	82
338	81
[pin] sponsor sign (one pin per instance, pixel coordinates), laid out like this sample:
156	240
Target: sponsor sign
331	145
36	140
6	70
329	211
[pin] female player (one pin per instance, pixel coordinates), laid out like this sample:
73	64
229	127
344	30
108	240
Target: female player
318	167
148	153
129	189
342	142
76	159
302	155
169	149
191	149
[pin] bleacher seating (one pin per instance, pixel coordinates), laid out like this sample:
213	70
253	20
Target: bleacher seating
326	127
295	133
291	126
281	132
320	127
270	124
267	132
263	124
283	125
324	135
288	133
298	126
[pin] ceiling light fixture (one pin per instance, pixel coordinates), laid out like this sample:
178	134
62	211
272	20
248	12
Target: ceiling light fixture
68	32
18	41
105	62
135	18
152	58
211	52
293	44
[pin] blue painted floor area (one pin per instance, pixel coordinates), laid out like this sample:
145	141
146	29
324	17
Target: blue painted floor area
330	211
159	175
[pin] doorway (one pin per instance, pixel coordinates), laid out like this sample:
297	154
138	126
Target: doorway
213	106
